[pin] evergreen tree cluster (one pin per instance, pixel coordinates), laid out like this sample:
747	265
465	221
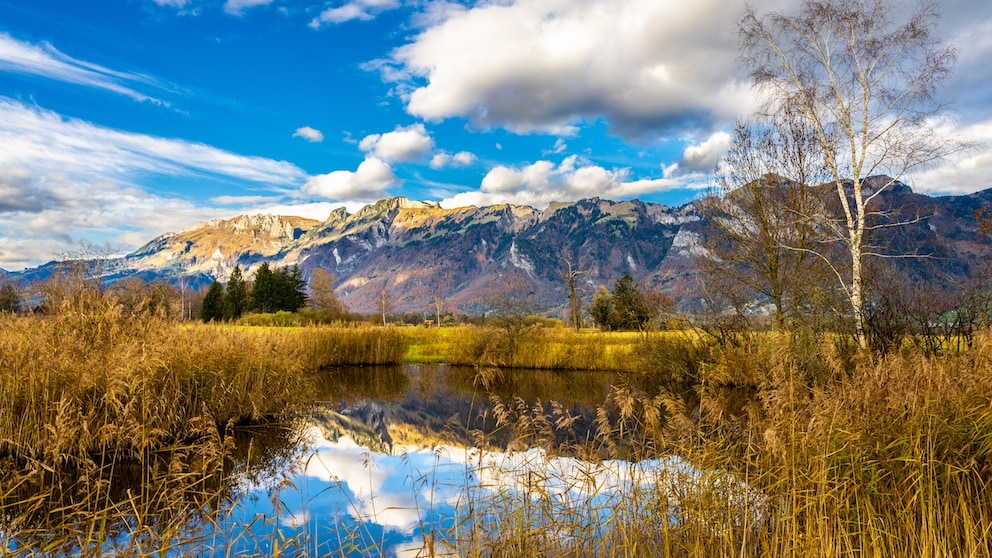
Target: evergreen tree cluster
278	290
273	290
236	297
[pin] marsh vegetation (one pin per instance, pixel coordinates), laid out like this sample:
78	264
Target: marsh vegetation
135	436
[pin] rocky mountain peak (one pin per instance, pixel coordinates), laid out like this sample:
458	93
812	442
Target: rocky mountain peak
388	208
261	225
272	226
336	217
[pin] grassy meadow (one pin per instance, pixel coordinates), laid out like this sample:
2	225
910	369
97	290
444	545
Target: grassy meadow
856	454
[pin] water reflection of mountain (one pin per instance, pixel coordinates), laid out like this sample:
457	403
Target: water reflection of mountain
364	422
425	405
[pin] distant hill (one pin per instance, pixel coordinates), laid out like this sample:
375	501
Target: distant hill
416	250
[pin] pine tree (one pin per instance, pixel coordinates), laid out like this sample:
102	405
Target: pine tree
293	289
281	290
213	303
236	298
262	292
629	308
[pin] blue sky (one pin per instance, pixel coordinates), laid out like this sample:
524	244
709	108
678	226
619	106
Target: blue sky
123	120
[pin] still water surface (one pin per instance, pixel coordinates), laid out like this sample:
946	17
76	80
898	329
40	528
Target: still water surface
391	461
394	461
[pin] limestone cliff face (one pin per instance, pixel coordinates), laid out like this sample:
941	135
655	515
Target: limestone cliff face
215	247
270	227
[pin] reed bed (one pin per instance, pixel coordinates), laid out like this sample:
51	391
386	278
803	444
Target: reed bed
851	456
76	384
777	446
890	458
121	428
355	345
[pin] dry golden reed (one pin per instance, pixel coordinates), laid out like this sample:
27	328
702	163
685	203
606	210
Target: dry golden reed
75	384
547	348
852	454
863	456
118	429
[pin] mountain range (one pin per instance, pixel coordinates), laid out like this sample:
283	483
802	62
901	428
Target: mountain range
419	252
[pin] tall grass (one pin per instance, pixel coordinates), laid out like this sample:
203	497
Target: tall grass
892	459
76	389
121	426
853	457
852	454
76	384
354	345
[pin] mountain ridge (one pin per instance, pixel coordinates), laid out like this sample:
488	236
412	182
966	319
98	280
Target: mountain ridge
418	251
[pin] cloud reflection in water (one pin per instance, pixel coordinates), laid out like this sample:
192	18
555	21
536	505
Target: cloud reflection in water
348	496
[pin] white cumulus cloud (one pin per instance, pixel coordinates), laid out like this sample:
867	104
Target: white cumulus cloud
372	178
57	212
409	144
461	159
312	135
363	10
961	173
547	65
704	157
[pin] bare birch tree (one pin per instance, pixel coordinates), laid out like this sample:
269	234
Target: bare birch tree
385	304
441	285
437	304
865	86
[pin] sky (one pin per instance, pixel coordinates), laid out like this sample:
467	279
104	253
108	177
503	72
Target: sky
123	120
